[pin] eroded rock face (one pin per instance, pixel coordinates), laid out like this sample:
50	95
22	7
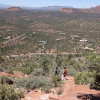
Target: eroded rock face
67	10
13	9
95	9
90	10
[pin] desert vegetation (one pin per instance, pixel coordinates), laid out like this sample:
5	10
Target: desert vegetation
89	72
47	26
39	72
55	32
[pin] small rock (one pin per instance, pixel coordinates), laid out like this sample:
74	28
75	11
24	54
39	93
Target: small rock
53	97
53	91
44	97
36	90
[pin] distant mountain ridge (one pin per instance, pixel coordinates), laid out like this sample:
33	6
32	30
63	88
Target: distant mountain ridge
53	7
66	9
75	10
4	6
37	8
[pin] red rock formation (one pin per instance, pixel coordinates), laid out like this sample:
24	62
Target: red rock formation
67	10
84	10
90	10
13	9
95	9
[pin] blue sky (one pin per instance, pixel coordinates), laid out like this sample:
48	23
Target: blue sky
42	3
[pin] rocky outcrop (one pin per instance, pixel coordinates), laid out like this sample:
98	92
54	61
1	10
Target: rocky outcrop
95	9
13	9
67	10
75	10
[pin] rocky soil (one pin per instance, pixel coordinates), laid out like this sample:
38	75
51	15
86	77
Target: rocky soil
71	92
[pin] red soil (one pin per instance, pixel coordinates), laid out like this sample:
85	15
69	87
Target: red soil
16	74
71	92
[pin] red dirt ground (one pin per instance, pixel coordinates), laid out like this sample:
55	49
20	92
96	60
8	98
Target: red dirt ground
16	74
71	92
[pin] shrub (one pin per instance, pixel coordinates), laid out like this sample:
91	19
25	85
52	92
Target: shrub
56	80
1	68
38	72
10	70
59	60
19	93
44	64
60	91
85	77
90	71
70	56
72	62
1	60
27	67
46	88
32	82
96	84
71	71
8	93
6	79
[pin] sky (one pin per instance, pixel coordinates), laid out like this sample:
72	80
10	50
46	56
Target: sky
43	3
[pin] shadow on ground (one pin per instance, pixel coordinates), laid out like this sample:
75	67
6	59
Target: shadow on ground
88	96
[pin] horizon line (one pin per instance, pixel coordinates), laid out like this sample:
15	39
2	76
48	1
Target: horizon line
48	6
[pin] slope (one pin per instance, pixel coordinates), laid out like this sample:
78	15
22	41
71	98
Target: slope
71	92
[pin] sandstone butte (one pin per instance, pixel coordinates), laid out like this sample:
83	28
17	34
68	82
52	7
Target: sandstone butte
13	9
73	10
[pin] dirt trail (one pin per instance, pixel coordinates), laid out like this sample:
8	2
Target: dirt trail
77	92
71	92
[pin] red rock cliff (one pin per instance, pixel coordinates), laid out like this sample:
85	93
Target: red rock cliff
67	10
13	9
73	10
